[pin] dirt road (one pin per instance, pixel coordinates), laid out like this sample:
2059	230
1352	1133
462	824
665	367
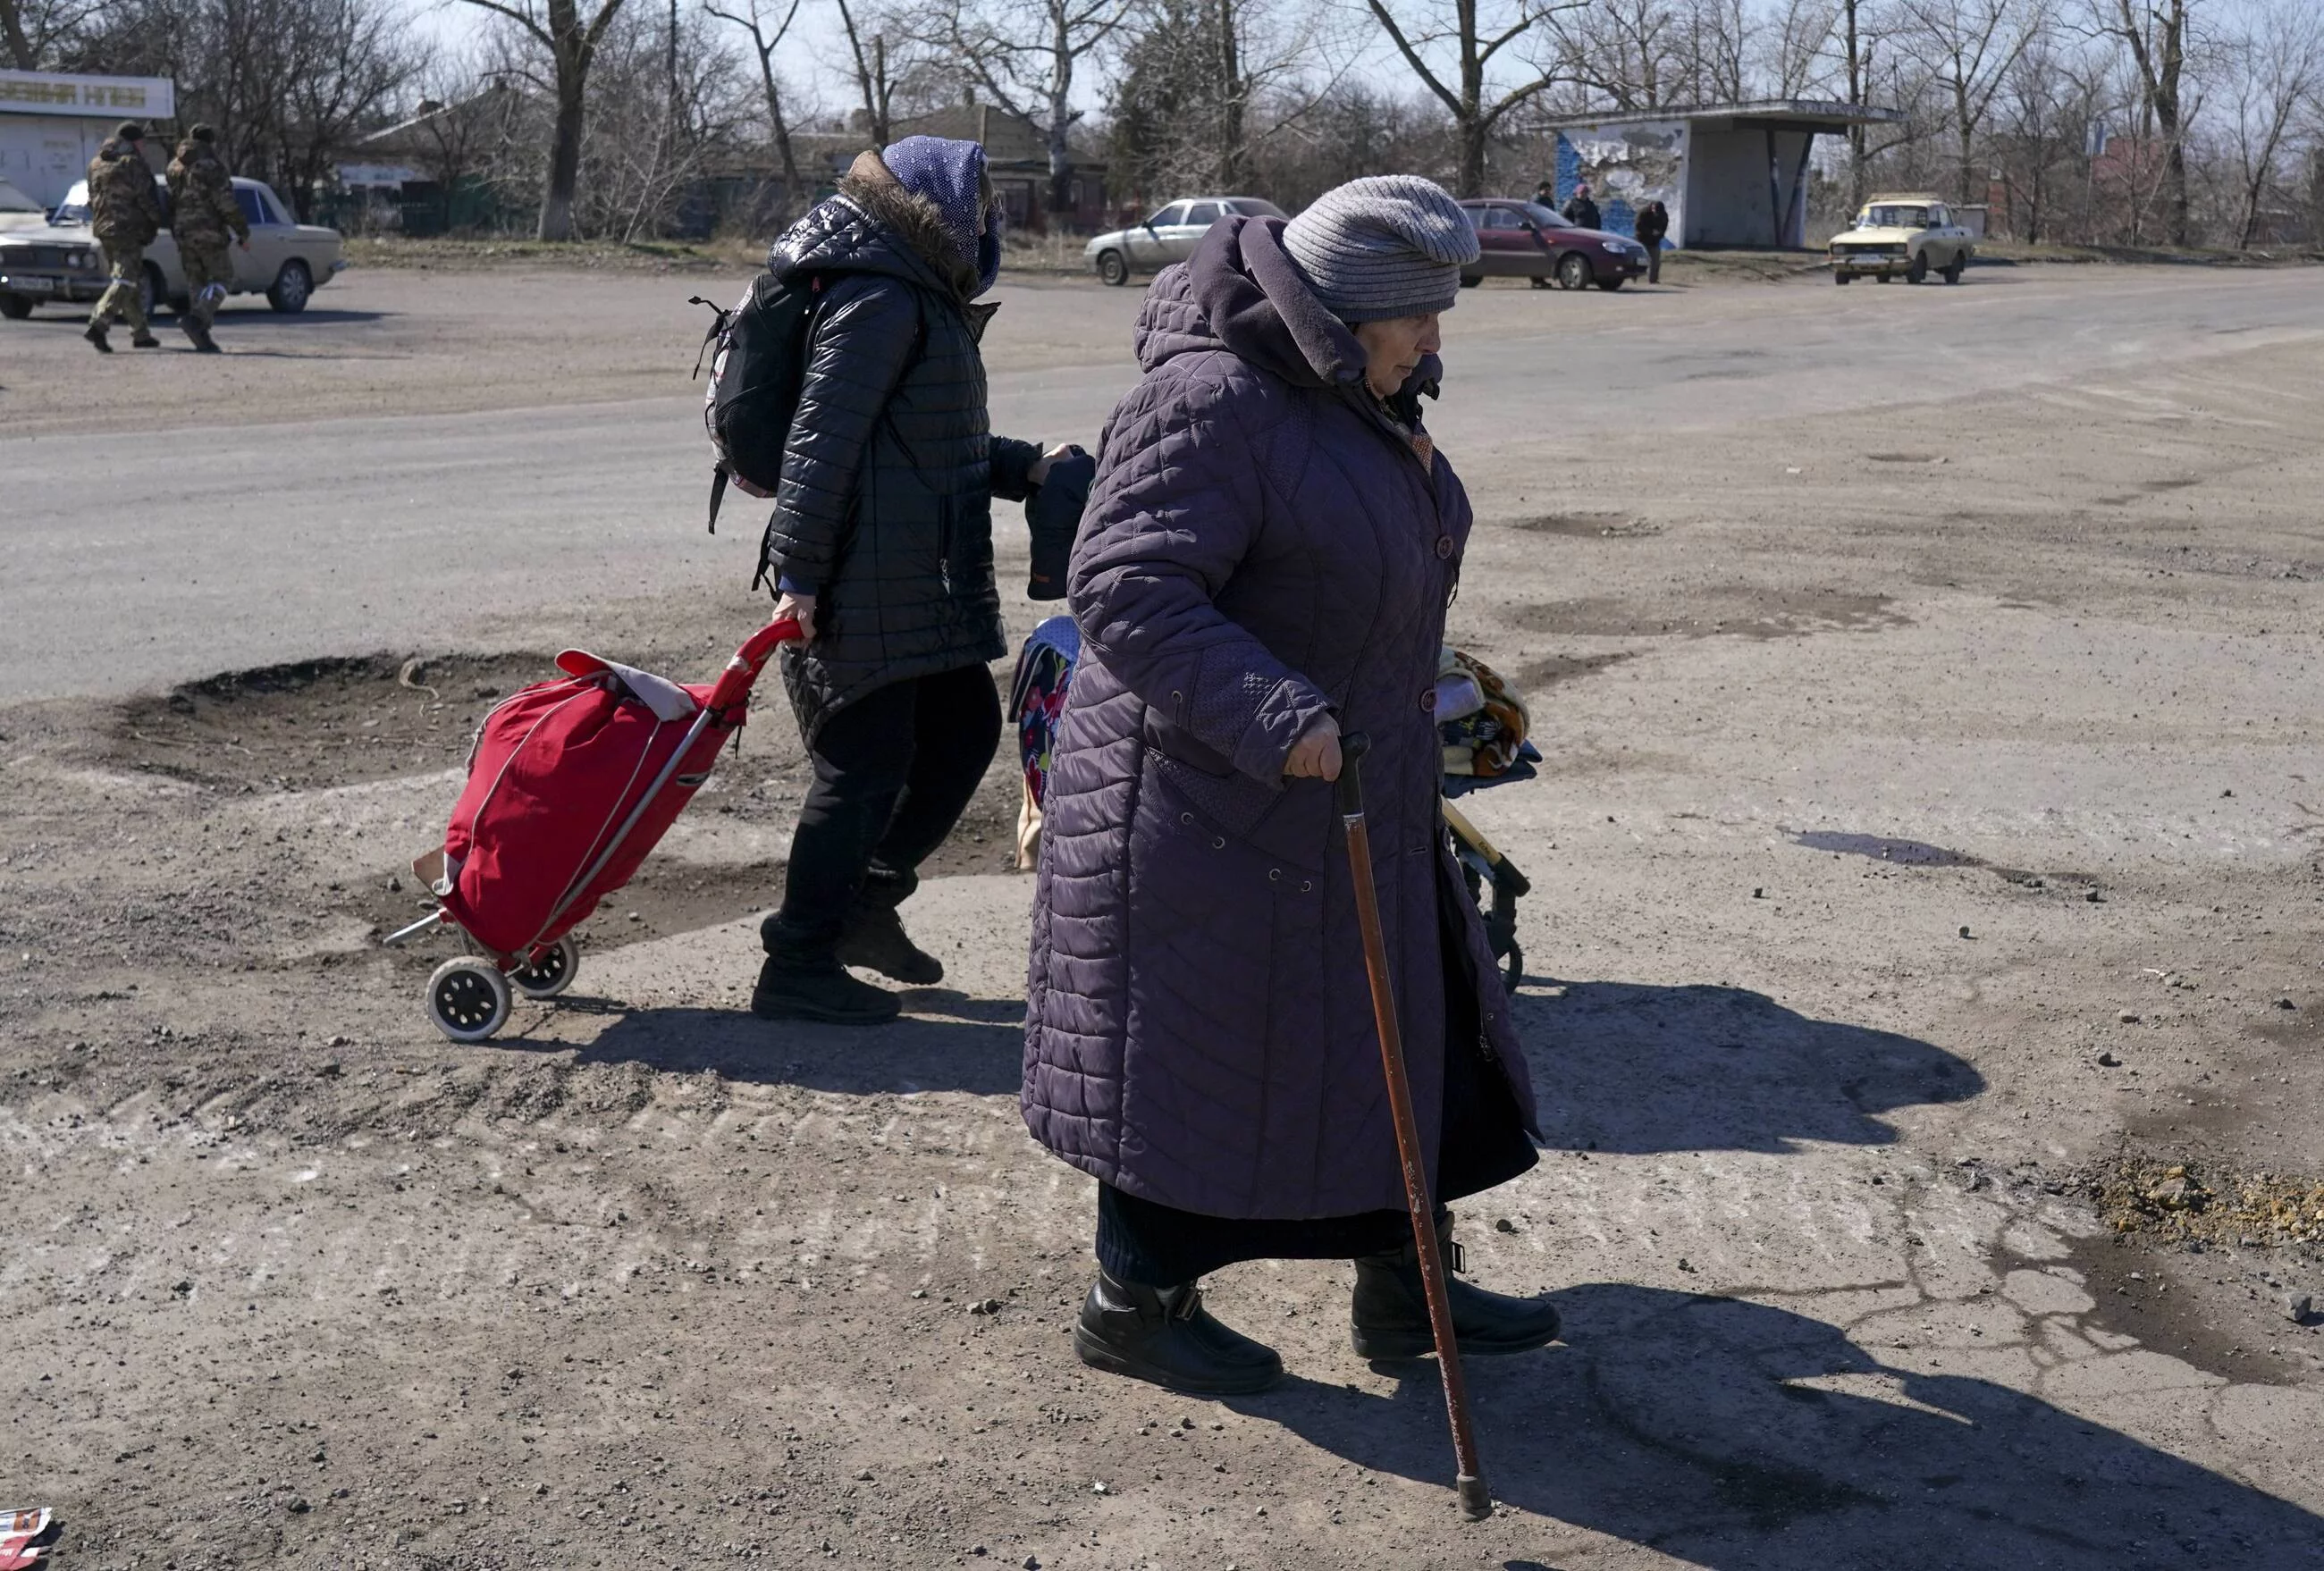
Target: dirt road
1927	866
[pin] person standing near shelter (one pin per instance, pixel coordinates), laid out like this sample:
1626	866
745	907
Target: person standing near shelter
1581	210
1653	224
1544	195
125	215
881	546
203	214
1266	563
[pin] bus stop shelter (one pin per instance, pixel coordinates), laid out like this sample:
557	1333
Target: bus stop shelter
1730	174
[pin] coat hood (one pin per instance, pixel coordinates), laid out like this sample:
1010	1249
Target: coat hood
875	225
1242	292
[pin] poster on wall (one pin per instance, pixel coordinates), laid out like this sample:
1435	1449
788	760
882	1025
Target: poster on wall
1625	167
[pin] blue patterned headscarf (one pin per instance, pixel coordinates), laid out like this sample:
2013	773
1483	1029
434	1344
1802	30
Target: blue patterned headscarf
950	174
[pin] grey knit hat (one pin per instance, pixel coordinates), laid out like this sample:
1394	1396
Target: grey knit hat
1387	245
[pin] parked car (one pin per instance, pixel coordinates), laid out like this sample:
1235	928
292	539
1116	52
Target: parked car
1169	236
19	211
60	262
1907	236
1526	240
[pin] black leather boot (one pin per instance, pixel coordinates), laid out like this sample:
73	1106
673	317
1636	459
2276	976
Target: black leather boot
874	937
1165	1336
792	989
1390	1313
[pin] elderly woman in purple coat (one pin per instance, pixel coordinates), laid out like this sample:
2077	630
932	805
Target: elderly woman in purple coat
1265	565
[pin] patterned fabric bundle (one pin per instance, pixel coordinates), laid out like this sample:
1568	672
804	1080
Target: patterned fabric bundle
1483	722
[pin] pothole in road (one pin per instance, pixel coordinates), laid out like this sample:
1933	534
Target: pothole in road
1589	526
1744	613
314	724
1905	457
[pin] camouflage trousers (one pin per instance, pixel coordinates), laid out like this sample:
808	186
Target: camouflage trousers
125	265
209	274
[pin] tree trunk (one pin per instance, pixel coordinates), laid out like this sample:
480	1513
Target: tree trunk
564	154
1061	115
21	53
1856	75
1231	103
1470	119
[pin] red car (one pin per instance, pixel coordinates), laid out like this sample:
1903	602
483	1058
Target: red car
1527	240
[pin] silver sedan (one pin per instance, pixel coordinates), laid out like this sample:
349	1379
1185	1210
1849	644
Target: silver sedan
1169	236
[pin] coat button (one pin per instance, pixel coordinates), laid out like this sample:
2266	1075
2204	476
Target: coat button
1428	702
1218	843
1274	874
1444	548
1186	818
1306	886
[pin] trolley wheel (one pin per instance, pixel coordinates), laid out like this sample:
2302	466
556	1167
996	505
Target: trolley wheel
552	975
469	999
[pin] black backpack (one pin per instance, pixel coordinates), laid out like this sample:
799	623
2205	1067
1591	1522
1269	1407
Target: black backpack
754	382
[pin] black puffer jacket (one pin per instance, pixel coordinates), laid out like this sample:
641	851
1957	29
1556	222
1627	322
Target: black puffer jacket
885	507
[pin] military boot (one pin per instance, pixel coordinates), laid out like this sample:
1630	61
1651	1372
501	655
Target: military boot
807	989
144	341
1165	1336
198	333
1390	1316
96	334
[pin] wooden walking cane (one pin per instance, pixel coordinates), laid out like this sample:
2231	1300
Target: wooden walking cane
1476	1504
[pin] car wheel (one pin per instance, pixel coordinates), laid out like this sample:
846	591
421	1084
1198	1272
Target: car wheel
292	287
1573	270
1111	269
1839	278
1470	280
1917	272
153	294
1610	284
16	308
1953	269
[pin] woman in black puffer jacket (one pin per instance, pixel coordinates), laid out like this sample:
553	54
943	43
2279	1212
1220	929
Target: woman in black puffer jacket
882	545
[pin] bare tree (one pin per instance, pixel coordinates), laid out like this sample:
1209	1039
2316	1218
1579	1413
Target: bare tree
1862	37
1026	54
765	40
2157	35
31	29
572	41
873	78
1968	46
1791	51
2281	78
1474	33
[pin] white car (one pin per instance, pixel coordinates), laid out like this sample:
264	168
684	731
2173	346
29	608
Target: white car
1169	237
60	262
19	211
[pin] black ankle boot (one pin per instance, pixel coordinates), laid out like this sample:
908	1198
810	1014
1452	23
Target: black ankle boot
1167	1337
791	990
874	937
1390	1313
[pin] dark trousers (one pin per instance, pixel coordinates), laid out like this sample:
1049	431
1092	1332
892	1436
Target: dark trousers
893	772
1654	261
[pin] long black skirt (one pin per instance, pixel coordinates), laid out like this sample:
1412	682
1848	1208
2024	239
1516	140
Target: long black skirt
1483	1144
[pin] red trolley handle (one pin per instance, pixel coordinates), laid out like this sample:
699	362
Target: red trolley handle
742	671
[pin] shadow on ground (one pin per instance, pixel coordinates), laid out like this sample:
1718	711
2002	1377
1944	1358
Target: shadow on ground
952	1042
1731	1434
1622	1067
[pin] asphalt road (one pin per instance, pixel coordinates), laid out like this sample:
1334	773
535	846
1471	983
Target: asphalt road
218	549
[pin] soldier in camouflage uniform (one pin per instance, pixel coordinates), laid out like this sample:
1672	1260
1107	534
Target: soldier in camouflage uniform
125	215
202	213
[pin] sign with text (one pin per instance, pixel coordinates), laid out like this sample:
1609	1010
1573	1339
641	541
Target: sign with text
88	98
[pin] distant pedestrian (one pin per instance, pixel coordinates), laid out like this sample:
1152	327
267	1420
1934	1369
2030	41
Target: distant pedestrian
1544	195
1653	226
1581	212
203	214
125	215
881	543
1268	556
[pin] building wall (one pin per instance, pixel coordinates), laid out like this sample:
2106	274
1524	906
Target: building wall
1625	167
1727	188
52	123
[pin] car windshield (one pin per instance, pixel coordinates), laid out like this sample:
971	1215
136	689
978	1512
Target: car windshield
13	200
1890	215
1257	207
1543	217
74	208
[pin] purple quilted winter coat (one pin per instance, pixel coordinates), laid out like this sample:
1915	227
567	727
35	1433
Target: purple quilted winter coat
1261	547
